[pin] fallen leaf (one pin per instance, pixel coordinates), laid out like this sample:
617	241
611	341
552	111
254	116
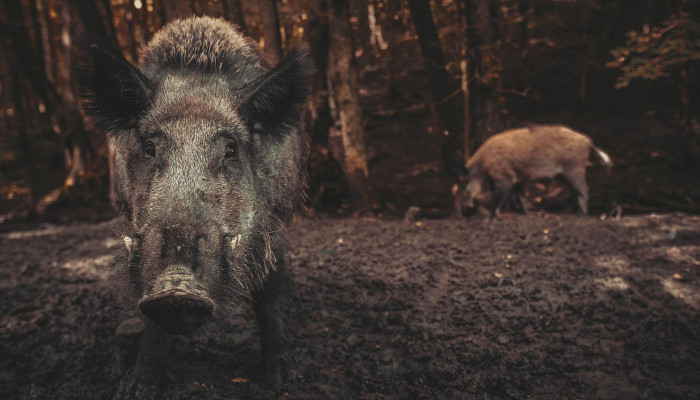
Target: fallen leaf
498	275
419	223
340	240
239	379
678	277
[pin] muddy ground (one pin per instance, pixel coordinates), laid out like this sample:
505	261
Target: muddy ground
546	307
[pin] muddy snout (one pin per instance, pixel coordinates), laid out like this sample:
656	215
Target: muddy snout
176	304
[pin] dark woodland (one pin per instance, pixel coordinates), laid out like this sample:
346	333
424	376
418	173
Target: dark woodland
419	266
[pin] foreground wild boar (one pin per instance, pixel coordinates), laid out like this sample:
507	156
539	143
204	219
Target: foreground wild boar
526	155
210	163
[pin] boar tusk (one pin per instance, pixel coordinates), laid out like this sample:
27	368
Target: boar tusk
128	242
234	242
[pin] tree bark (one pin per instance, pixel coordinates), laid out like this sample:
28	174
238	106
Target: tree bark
61	106
26	146
175	9
234	12
485	106
103	29
444	94
24	55
344	90
464	80
327	185
271	30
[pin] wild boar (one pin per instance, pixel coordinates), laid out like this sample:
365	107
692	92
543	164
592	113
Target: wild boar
526	155
210	164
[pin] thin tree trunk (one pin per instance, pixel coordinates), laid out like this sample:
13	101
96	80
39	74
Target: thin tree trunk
61	106
345	92
76	144
175	9
25	141
234	12
464	80
485	106
102	28
325	175
376	38
444	94
271	30
318	36
358	8
22	50
40	33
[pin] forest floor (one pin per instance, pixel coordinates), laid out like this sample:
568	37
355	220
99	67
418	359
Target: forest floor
529	306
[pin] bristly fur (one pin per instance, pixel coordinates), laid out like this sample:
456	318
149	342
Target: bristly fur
119	97
209	163
201	44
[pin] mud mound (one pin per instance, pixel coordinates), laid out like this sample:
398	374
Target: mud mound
549	307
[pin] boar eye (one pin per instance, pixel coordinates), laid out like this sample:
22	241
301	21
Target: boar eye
150	149
230	151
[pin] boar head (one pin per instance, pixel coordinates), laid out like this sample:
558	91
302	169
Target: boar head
208	164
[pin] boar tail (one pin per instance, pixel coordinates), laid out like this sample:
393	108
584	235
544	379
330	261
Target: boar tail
603	157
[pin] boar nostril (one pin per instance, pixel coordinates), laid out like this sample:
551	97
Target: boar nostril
177	311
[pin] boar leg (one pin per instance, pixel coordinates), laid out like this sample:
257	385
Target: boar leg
151	366
273	342
501	192
577	178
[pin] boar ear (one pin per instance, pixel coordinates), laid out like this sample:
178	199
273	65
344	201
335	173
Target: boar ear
277	96
115	92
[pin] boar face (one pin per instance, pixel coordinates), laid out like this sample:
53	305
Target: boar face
472	193
209	167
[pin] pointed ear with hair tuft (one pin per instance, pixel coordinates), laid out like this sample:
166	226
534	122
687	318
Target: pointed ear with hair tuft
116	93
279	95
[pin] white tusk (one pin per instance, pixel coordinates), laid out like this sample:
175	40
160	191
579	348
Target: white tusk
234	242
128	242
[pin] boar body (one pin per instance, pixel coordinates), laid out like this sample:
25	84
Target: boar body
209	165
526	155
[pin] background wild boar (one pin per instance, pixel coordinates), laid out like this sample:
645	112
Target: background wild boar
210	162
526	155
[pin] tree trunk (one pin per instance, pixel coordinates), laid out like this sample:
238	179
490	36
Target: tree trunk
25	141
234	12
344	90
444	94
62	106
175	9
103	29
24	55
326	183
464	67
271	30
375	31
485	106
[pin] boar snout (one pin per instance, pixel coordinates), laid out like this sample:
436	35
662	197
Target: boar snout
176	304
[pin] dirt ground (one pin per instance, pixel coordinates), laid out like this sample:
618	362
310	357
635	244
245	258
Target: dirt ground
538	306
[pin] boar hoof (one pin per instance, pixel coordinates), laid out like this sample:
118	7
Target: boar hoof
131	388
176	311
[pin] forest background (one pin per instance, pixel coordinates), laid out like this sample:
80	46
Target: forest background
404	91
